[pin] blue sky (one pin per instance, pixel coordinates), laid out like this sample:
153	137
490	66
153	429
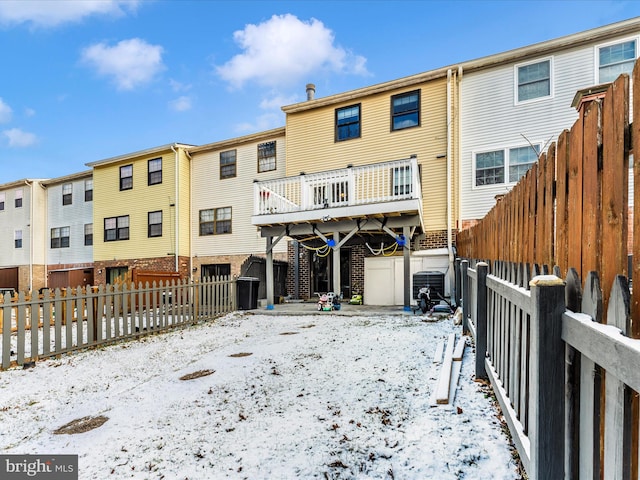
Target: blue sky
85	80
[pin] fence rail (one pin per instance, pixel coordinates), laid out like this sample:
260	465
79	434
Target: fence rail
71	319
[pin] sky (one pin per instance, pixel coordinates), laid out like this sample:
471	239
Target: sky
262	397
86	80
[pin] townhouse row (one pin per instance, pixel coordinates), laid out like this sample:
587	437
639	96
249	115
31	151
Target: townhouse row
359	192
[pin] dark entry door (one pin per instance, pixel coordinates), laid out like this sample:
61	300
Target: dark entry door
322	272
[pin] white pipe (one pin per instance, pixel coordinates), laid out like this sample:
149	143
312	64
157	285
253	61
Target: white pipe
30	235
177	208
449	170
186	152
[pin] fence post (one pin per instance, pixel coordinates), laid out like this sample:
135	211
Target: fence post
458	285
464	266
546	378
481	321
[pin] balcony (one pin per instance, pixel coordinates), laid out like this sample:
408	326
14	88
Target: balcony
378	190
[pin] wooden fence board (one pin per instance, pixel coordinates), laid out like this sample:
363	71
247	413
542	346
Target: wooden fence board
562	170
591	184
574	236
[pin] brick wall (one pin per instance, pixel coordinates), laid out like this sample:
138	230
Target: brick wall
157	264
436	239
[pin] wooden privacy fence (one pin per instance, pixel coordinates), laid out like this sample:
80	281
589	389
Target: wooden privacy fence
566	383
71	319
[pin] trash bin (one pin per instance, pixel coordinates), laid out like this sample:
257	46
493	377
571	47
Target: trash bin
248	293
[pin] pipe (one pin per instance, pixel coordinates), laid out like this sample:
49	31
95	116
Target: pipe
186	152
177	208
449	171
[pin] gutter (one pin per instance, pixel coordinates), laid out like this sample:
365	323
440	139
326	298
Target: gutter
449	170
190	206
177	207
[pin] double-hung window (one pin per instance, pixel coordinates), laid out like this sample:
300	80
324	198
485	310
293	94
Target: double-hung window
18	198
347	123
2	199
60	237
88	190
155	224
154	171
405	110
17	238
215	221
266	156
615	59
506	165
88	234
126	177
67	194
533	80
116	228
228	164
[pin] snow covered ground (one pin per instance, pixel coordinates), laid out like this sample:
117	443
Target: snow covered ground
261	397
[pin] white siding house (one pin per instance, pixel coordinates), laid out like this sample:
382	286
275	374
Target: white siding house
22	234
69	231
519	100
222	182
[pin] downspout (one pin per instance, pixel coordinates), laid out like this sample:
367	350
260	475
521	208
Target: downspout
30	184
177	208
190	222
449	172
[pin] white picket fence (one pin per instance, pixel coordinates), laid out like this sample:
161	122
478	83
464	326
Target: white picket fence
62	321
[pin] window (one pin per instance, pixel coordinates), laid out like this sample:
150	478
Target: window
18	198
2	198
215	221
405	110
88	234
534	80
155	224
614	60
215	270
492	167
88	190
67	194
154	171
17	238
228	164
402	180
60	237
126	177
347	123
116	228
266	156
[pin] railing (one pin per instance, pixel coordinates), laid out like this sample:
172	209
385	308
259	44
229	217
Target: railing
566	383
72	319
377	183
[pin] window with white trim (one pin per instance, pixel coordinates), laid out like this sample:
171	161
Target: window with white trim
17	239
616	59
506	165
67	194
60	237
266	156
533	80
18	198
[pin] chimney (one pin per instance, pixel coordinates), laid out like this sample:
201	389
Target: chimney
311	91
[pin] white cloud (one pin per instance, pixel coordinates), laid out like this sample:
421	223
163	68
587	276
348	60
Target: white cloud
5	112
278	101
29	112
177	86
284	49
263	122
130	63
19	138
181	104
47	13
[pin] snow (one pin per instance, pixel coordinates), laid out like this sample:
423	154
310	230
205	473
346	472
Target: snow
319	396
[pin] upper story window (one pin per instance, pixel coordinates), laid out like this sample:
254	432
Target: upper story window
615	59
154	224
18	198
17	239
228	164
2	198
67	194
266	156
155	171
88	234
88	190
492	168
533	80
405	110
60	237
347	123
116	228
215	221
126	177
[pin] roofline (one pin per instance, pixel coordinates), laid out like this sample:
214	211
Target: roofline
598	34
66	178
254	137
140	153
23	181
